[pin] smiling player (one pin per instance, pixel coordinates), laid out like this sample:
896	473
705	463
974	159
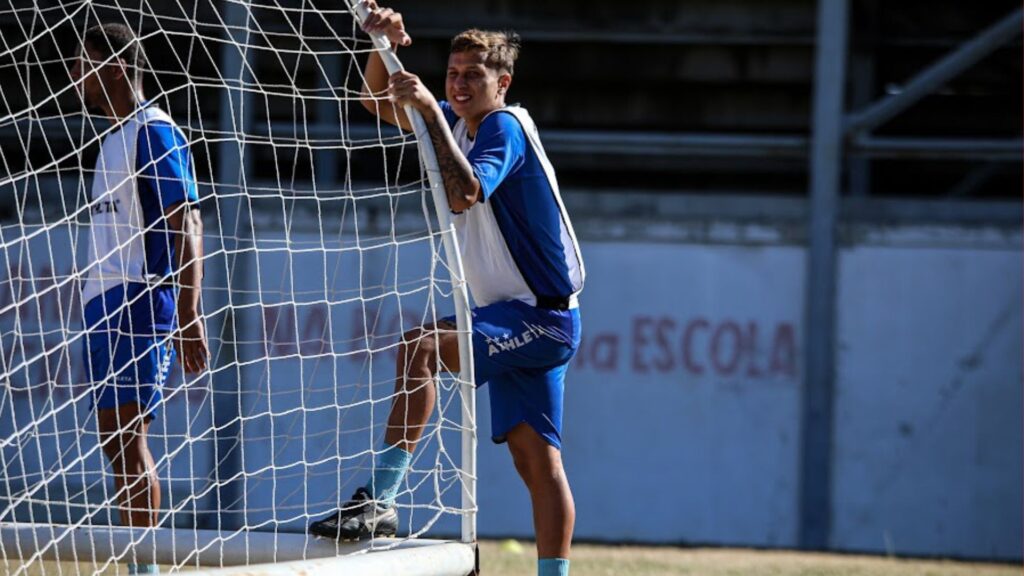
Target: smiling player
524	270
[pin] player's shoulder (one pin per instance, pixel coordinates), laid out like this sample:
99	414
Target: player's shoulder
154	115
160	130
508	117
504	122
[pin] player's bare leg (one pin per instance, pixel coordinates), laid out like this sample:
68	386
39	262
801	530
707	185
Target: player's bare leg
554	512
123	436
371	511
415	391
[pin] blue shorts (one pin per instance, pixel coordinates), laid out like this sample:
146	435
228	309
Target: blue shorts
128	352
123	368
523	353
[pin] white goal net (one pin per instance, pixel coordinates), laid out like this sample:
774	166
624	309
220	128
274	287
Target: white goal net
322	247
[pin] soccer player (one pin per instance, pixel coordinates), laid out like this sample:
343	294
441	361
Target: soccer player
141	295
524	271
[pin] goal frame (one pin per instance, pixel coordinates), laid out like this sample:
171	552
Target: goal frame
463	318
251	553
291	553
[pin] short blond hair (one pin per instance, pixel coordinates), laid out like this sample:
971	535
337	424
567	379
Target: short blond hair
501	49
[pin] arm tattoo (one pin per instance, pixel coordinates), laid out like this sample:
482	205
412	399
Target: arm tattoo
460	184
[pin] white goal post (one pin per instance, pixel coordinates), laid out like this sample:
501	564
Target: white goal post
326	239
463	318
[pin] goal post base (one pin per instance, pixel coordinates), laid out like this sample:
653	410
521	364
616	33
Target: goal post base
242	552
434	558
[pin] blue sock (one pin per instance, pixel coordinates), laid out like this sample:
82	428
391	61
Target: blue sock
143	569
392	463
553	567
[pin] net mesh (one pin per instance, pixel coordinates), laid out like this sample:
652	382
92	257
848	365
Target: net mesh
320	252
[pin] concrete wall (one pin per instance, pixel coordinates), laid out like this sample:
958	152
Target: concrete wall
928	396
683	407
682	421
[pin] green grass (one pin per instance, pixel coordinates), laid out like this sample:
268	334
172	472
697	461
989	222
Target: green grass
497	559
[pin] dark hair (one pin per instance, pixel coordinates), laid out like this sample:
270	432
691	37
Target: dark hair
118	40
501	48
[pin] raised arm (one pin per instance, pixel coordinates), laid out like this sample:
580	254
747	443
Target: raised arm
388	22
460	182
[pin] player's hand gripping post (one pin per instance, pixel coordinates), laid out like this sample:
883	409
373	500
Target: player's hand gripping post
406	90
387	22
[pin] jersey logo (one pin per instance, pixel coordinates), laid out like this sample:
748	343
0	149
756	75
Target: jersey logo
508	342
107	207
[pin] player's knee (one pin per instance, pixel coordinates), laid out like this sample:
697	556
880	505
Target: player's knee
126	452
417	348
108	423
522	463
536	464
526	461
135	462
539	475
114	452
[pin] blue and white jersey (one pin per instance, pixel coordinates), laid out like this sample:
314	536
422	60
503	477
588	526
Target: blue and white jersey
518	242
143	168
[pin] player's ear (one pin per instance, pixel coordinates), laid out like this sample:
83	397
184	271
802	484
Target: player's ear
118	71
504	81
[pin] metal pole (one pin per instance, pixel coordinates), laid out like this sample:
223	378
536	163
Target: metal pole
251	552
862	68
231	278
460	294
990	149
328	116
938	74
819	349
862	88
639	143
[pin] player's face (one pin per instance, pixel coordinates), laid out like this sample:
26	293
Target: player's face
89	75
471	87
